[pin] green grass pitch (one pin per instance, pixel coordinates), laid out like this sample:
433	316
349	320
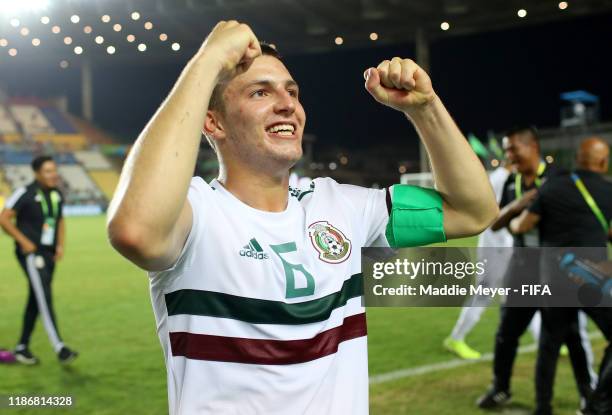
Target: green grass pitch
104	312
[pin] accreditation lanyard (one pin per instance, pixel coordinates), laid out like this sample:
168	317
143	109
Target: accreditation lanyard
518	180
48	230
590	201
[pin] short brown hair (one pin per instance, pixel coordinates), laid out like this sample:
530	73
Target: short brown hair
216	99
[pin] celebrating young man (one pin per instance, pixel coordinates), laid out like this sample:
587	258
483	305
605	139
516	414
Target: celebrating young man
257	288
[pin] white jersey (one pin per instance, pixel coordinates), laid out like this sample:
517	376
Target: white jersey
262	313
500	238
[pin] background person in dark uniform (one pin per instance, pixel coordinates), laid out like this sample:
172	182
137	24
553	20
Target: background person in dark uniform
565	218
39	242
523	151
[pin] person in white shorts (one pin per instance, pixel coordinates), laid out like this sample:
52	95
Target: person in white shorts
498	248
256	287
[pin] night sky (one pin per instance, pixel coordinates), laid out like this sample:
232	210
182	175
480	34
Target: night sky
488	81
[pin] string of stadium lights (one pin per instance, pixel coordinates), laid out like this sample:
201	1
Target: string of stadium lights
15	8
339	40
38	5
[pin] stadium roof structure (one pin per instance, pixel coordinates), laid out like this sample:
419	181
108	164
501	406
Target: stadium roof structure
160	30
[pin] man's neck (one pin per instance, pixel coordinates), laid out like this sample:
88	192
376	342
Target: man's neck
590	168
259	190
41	186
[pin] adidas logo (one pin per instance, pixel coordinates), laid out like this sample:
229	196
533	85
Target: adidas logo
253	250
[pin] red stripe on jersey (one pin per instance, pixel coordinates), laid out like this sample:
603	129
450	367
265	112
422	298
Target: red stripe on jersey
266	352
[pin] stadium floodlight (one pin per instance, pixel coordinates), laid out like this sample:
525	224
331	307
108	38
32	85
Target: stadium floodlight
373	36
131	38
135	16
12	52
445	26
15	22
87	29
75	18
67	40
521	13
110	50
78	50
142	47
56	29
99	40
148	25
163	37
338	41
117	27
24	31
13	7
45	20
3	43
176	46
106	18
36	42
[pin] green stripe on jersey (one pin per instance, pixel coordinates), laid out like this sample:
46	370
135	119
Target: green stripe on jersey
256	311
256	245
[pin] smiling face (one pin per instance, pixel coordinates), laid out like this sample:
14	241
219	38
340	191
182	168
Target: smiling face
521	152
262	121
47	176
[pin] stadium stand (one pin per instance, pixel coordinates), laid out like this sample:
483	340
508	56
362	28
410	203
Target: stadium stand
59	121
78	186
31	119
7	124
18	175
100	170
62	141
94	135
5	188
106	180
92	160
31	126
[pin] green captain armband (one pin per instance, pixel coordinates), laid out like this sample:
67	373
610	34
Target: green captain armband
416	217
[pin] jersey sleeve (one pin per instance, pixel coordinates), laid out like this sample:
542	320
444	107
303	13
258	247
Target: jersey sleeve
195	198
371	208
16	200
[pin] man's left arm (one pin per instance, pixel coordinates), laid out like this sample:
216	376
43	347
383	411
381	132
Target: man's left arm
468	201
525	222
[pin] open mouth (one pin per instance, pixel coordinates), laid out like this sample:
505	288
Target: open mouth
282	130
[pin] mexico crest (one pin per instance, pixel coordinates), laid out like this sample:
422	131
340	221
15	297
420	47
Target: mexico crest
331	244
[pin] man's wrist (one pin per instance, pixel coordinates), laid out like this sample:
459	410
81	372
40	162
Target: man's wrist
208	65
425	110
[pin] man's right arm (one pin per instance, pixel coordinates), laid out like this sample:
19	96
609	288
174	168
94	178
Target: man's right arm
6	222
149	217
512	210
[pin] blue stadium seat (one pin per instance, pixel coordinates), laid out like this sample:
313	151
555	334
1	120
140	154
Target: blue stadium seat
58	121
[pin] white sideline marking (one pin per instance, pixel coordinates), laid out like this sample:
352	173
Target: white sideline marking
450	364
